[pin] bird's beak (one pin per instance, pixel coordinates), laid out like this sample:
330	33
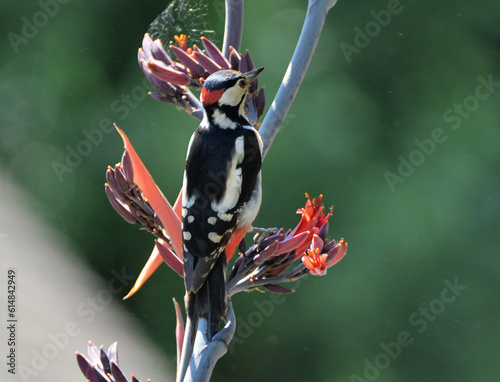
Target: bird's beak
252	74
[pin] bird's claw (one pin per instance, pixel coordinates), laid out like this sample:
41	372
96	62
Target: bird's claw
262	233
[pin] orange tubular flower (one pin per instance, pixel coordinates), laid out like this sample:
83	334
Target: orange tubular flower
315	262
318	262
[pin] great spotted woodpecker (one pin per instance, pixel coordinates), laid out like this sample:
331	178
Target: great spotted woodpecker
221	192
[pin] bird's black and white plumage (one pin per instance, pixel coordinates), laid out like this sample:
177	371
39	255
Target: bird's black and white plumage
221	192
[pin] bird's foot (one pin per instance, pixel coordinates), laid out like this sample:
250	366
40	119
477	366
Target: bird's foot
262	233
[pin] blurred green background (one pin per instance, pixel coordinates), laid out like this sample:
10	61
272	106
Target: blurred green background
364	104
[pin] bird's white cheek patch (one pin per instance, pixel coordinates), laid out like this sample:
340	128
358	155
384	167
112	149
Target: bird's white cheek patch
232	96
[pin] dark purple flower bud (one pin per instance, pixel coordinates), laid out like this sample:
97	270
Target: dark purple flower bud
208	64
268	252
111	179
243	65
101	377
170	257
336	253
149	74
85	365
323	231
123	184
292	242
122	210
194	66
128	168
280	235
160	54
170	90
260	102
105	362
235	59
248	60
215	54
328	246
167	74
117	373
278	289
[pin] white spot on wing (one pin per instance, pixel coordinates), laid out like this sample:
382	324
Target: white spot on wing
213	236
186	235
190	218
224	216
212	220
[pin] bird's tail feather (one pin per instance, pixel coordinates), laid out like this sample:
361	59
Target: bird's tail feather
210	301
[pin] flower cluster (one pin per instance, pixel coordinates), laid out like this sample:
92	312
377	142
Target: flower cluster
128	200
102	366
135	196
268	261
173	78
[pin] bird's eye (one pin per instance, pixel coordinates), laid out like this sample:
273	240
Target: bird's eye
242	83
